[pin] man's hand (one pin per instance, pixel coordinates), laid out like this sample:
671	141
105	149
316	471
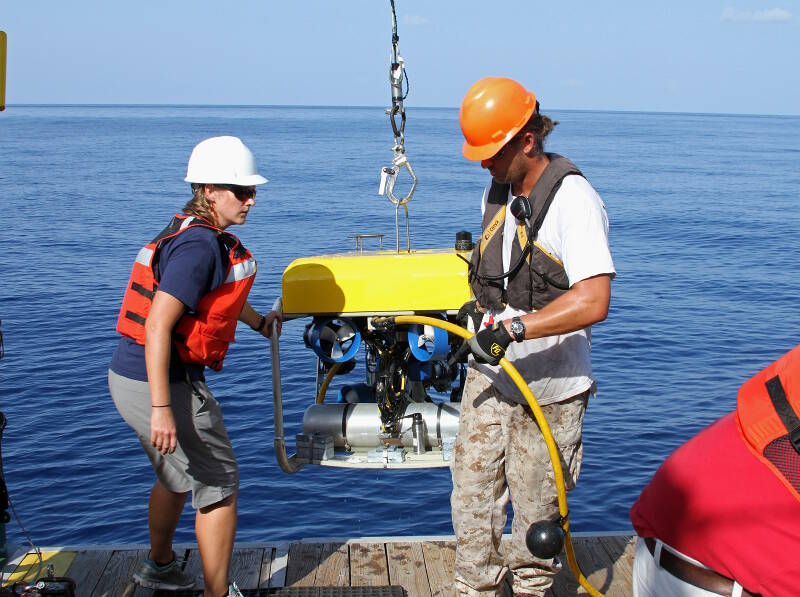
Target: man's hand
472	310
489	345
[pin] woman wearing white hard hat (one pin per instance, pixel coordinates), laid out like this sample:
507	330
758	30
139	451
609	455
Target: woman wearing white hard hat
187	290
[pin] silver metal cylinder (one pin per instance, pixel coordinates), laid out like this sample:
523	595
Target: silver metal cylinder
359	425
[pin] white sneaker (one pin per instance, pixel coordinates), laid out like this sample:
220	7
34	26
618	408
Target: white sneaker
233	590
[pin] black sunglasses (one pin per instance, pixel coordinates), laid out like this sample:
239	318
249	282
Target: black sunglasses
241	193
503	149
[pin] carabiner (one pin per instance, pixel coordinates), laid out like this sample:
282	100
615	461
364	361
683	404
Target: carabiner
400	161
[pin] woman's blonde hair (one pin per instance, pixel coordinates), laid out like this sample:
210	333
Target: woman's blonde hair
199	205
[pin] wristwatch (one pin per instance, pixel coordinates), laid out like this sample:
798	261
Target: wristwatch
517	329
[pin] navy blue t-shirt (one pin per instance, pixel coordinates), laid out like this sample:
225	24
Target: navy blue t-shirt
191	265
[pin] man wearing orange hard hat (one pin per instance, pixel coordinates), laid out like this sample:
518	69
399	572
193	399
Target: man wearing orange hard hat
541	276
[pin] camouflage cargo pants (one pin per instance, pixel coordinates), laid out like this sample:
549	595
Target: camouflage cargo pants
500	449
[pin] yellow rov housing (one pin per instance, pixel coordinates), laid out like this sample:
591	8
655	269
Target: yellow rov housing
376	283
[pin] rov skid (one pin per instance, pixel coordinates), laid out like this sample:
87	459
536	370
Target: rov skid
401	408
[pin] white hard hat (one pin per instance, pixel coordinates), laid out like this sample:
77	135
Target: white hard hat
223	160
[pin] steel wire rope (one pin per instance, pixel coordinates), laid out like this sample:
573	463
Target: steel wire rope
3	423
395	39
35	548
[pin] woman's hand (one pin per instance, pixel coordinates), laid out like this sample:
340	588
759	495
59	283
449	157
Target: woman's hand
252	318
269	318
163	435
165	311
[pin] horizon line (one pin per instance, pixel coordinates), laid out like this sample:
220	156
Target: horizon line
332	106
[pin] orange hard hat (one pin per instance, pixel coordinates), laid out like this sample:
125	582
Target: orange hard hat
493	111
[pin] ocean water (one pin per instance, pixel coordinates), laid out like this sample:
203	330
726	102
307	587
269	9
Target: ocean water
705	233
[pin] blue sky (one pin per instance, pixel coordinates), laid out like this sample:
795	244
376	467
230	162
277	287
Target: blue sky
734	56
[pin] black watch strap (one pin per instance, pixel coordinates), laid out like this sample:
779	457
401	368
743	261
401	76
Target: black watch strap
260	324
517	329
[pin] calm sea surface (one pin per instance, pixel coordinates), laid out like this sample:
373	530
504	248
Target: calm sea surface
705	233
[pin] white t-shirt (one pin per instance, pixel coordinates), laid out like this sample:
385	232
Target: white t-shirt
575	231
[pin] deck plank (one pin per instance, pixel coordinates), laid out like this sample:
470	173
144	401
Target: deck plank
620	550
422	566
301	570
407	567
564	583
246	566
116	578
440	557
603	567
194	564
596	565
265	570
87	569
334	566
368	567
276	575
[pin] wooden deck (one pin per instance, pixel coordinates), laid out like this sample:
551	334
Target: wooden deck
423	566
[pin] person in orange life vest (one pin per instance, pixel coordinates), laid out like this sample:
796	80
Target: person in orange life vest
721	516
187	290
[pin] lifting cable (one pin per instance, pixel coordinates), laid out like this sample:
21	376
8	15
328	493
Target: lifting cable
397	75
5	497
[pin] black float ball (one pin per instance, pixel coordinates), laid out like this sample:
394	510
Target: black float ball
544	539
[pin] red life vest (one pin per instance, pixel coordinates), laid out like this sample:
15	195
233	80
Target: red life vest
202	336
768	418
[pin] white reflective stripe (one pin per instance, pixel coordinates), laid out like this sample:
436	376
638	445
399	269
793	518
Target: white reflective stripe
242	270
144	256
186	222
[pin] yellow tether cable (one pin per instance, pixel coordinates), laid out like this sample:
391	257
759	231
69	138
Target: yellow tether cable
328	378
543	426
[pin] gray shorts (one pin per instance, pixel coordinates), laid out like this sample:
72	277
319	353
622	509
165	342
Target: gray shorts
203	462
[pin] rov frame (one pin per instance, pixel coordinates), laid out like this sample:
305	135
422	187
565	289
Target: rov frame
362	290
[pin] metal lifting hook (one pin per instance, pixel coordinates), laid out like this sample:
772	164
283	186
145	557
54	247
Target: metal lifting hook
389	178
389	174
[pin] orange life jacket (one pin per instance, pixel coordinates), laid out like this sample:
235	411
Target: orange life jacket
202	336
768	418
